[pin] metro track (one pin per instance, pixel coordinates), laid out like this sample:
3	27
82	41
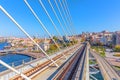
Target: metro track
73	69
42	66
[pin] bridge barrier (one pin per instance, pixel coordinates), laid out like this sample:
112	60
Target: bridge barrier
16	63
85	75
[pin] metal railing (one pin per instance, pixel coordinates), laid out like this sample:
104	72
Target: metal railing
16	63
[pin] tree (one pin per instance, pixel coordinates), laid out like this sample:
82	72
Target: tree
117	48
53	47
55	38
83	39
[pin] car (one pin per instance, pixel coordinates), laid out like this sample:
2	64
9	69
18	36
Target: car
114	79
118	60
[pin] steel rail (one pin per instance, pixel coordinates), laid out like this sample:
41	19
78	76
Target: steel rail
65	64
79	69
66	73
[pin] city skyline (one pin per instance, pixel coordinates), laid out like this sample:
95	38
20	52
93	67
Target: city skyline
87	16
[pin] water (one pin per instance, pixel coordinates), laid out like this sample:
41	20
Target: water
98	76
96	73
3	44
13	59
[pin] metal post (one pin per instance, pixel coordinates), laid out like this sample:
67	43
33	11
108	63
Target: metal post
23	62
13	64
6	65
31	59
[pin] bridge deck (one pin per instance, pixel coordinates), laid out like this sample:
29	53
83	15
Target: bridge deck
51	71
39	67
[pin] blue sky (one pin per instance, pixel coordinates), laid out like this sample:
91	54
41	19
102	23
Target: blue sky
87	16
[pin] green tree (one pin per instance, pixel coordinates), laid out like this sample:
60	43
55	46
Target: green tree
55	38
53	47
117	48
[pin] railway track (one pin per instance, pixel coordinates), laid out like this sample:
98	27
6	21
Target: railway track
40	67
73	68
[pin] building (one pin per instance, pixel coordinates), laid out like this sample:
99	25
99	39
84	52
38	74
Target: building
118	38
95	39
106	38
101	38
45	45
66	39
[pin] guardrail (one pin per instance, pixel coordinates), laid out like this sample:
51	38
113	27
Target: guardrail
86	66
16	63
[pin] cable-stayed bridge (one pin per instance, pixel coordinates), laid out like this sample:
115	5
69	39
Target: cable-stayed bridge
70	63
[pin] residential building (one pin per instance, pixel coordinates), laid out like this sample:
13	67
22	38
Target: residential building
118	38
45	45
65	38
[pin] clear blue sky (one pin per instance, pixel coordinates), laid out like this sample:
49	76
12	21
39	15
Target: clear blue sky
87	16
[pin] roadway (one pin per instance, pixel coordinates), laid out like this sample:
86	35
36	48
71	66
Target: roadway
107	71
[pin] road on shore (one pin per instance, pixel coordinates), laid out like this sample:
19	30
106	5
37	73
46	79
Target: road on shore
106	69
